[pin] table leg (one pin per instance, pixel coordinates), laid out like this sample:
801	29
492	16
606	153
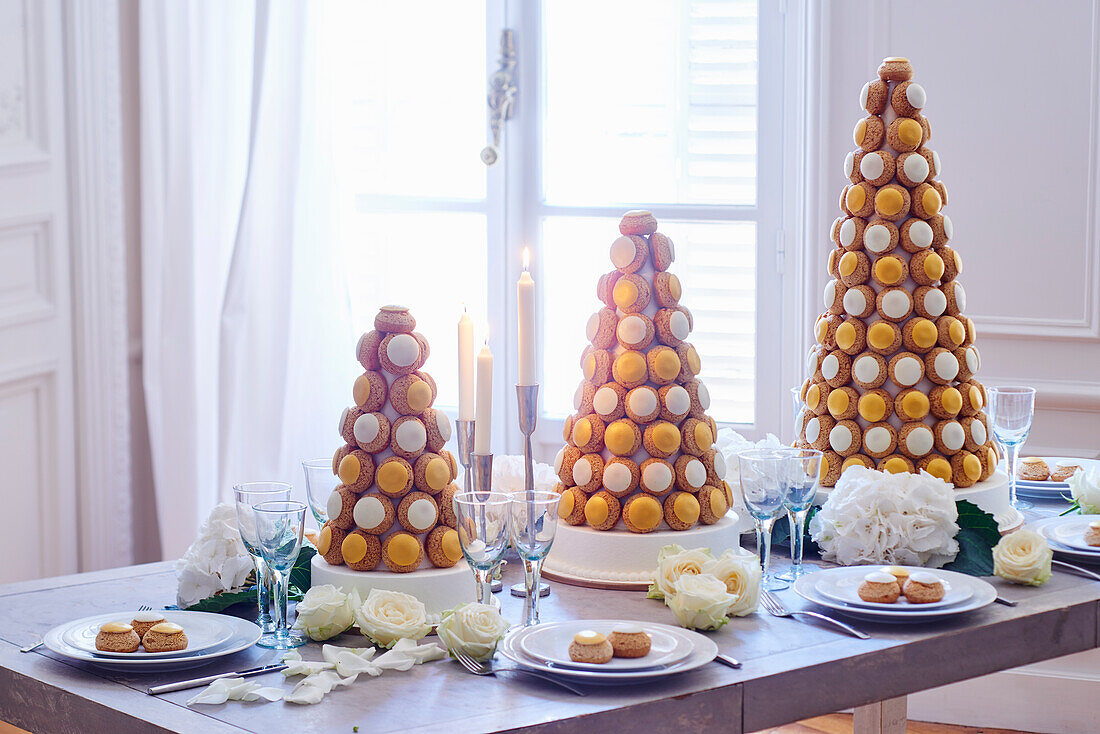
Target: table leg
881	717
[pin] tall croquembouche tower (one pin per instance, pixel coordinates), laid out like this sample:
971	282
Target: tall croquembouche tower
639	469
891	380
391	523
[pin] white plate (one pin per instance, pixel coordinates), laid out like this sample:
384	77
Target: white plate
204	632
1052	461
1070	532
842	585
549	643
982	594
704	651
1047	528
244	635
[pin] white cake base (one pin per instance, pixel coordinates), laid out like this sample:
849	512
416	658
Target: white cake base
440	589
620	559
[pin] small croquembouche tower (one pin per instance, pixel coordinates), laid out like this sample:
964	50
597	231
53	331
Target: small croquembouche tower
892	376
391	523
639	469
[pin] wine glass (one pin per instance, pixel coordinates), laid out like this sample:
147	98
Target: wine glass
279	527
764	494
801	471
320	484
483	535
534	518
247	496
797	404
1010	412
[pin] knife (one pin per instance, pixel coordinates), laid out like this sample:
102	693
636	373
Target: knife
727	660
183	685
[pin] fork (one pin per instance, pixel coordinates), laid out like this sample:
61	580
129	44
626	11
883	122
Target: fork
776	609
486	668
36	645
1077	569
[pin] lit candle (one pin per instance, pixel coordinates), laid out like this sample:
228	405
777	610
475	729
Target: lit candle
525	298
483	429
465	367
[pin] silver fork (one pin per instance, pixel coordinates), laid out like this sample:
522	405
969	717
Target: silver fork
36	645
776	609
1077	569
486	668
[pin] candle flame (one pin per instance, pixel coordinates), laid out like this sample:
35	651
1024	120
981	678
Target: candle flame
463	307
526	258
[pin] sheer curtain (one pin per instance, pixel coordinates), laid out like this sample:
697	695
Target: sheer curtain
248	341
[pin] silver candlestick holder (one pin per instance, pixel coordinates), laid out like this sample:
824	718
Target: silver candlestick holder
465	457
482	473
528	401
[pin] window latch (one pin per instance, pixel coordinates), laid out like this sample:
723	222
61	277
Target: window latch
502	96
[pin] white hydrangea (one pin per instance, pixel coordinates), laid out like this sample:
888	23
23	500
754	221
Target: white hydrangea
216	561
730	443
873	517
508	473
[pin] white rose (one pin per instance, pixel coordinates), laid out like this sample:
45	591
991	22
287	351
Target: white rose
1085	488
474	629
325	612
1023	557
699	601
740	571
388	616
672	563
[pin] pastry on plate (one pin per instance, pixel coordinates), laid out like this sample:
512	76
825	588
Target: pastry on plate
879	587
590	647
1092	534
923	588
629	640
1033	469
164	637
117	637
1063	470
142	621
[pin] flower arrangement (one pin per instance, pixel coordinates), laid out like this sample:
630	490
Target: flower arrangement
702	590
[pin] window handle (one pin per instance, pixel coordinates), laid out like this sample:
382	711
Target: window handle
502	96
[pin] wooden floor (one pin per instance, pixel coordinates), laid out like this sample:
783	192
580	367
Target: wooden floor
842	724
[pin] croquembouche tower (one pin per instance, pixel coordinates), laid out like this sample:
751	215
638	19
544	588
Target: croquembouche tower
391	523
892	376
639	469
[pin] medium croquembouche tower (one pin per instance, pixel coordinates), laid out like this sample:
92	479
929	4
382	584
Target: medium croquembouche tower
639	469
391	523
892	376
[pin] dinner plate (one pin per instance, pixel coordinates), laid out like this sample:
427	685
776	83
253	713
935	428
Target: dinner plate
1069	530
204	632
244	635
1045	528
1055	489
982	594
842	585
549	643
703	651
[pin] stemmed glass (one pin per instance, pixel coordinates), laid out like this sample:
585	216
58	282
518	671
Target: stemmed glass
764	493
483	535
320	484
1010	412
247	496
801	471
797	404
534	518
279	527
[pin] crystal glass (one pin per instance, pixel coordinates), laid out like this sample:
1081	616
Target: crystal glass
764	492
247	496
321	482
796	404
279	527
483	535
801	471
1010	412
534	518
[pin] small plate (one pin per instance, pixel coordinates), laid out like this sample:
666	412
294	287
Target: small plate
1057	487
982	594
204	632
550	644
1069	531
842	585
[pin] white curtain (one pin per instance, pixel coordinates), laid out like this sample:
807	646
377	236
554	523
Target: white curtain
248	346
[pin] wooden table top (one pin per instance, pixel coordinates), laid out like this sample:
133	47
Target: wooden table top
791	669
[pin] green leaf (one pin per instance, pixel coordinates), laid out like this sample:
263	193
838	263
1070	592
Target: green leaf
221	602
654	593
781	534
975	518
301	575
978	533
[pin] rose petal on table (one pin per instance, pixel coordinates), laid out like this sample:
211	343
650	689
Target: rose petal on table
296	666
269	694
234	689
420	653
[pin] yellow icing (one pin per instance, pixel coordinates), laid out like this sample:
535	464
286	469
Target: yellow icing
692	358
596	510
349	469
813	395
958	262
933	266
895	59
957	332
895	465
674	287
848	264
582	432
645	512
588	637
931	201
976	401
360	391
952	400
821	330
437	474
915	405
851	461
686	508
910	132
631	366
832	260
666	365
972	467
116	627
855	198
872	407
924	333
392	477
718	504
403	549
838	402
665	437
324	540
619	438
880	335
703	437
625	293
889	201
888	269
354	548
823	469
165	628
589	367
845	335
972	330
566	504
860	132
450	546
419	396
